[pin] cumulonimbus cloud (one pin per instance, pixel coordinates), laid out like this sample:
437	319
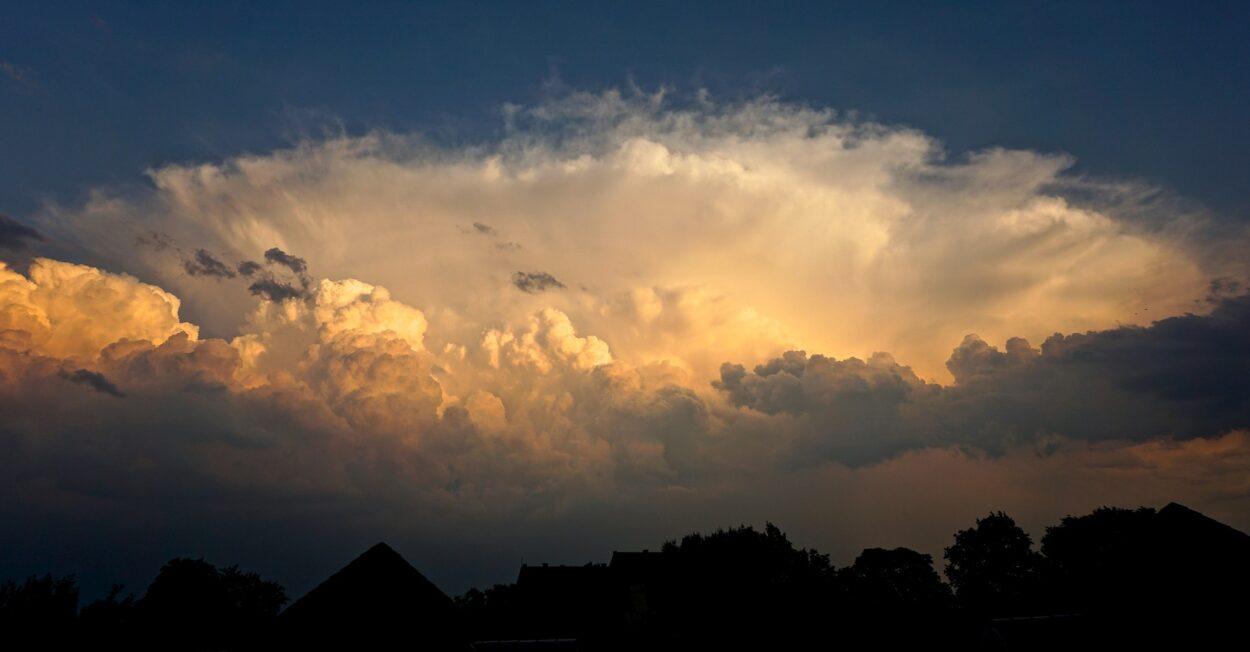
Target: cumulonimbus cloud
345	334
852	236
520	397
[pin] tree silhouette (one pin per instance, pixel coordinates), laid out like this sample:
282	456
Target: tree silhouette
740	585
1115	578
40	612
108	622
492	614
192	605
993	567
1098	559
895	579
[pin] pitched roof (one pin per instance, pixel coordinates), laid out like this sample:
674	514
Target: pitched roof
378	596
1178	516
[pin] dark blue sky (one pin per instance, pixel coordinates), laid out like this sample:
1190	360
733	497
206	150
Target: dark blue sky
95	94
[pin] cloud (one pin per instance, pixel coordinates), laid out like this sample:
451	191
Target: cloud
855	236
276	256
363	356
550	338
94	380
22	78
336	308
850	410
154	240
533	282
248	268
75	311
704	240
204	264
274	290
709	244
16	73
1182	377
336	400
15	235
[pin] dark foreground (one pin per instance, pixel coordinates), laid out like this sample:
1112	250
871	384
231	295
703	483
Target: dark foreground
1115	579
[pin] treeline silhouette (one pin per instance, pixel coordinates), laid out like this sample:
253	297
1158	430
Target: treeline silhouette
190	605
1115	577
1118	578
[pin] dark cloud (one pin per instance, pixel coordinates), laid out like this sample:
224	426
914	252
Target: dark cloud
248	268
155	240
15	235
204	264
1185	377
534	282
296	264
275	290
483	228
852	410
284	460
92	379
1224	288
1181	377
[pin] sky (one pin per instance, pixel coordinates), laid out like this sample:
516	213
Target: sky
505	282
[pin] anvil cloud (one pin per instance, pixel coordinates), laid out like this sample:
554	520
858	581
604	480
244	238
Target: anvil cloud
744	291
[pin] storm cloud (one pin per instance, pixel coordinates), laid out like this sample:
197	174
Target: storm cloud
399	375
276	256
534	282
1181	377
204	263
274	290
248	268
94	380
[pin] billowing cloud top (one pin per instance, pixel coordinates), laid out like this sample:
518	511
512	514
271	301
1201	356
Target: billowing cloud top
675	265
75	311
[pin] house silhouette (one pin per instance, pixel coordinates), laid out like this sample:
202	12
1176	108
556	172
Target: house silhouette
376	602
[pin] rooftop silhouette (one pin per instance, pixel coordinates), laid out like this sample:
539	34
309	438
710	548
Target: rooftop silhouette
378	600
1118	578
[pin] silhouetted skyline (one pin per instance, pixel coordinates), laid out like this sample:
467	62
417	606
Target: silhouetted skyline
1114	577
